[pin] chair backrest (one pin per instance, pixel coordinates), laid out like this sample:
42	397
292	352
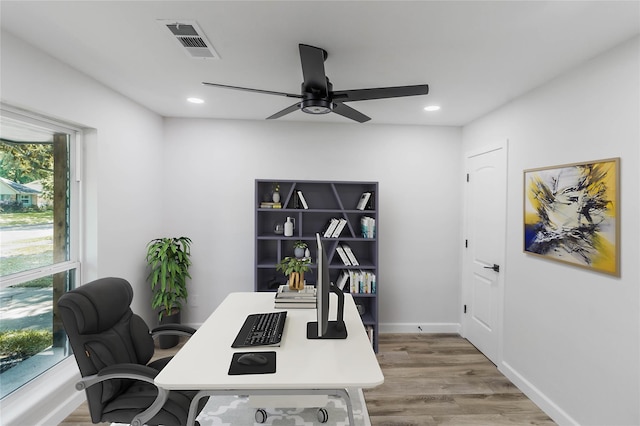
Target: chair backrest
103	331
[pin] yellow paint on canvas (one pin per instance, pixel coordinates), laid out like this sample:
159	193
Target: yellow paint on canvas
605	259
604	174
531	218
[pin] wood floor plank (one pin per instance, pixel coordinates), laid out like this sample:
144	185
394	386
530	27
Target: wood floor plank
444	380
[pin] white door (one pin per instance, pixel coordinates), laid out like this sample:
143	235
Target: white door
483	262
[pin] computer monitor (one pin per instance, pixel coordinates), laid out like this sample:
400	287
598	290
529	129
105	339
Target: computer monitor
323	328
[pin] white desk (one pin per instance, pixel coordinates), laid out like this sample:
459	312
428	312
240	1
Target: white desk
302	366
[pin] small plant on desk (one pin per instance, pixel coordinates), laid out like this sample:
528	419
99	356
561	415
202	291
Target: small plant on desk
294	268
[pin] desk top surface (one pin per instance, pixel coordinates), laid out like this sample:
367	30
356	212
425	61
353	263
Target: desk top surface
203	362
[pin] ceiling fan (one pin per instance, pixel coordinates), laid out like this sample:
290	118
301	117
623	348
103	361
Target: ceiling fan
317	95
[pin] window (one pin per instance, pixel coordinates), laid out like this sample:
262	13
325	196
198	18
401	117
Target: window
38	243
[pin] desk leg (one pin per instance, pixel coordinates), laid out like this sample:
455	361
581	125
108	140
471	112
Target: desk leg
341	393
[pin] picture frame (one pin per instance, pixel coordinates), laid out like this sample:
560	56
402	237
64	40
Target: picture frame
571	214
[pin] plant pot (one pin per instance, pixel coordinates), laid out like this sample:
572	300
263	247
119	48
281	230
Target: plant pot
298	252
296	281
169	341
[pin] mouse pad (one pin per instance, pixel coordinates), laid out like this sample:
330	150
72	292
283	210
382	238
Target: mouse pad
236	368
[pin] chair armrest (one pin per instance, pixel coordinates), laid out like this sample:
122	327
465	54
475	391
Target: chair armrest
174	329
134	372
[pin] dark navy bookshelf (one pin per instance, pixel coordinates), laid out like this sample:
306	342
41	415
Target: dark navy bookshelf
326	200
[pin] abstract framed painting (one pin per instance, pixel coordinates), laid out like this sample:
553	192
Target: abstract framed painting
571	214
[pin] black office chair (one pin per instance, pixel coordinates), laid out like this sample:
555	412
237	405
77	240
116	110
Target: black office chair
112	347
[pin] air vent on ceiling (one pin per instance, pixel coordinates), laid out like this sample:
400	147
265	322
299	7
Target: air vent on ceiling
191	38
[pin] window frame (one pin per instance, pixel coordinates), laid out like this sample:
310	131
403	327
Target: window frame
73	265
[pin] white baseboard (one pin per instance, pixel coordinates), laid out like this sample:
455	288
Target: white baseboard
419	327
534	394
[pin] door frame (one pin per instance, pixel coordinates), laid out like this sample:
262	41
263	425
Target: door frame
466	267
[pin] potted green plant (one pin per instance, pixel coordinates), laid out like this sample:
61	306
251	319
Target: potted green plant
294	268
299	248
169	260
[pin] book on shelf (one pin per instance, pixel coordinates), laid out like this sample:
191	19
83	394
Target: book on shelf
331	226
295	200
270	205
368	227
342	280
371	204
369	330
341	224
343	255
303	201
364	200
362	282
350	255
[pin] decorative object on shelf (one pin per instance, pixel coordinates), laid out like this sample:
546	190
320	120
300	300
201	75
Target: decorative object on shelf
169	261
300	249
276	193
278	229
288	226
571	214
307	253
294	269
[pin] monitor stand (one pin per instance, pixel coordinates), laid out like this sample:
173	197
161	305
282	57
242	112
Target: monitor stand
335	329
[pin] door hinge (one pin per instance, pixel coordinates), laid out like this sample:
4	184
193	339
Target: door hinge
466	243
467	177
465	309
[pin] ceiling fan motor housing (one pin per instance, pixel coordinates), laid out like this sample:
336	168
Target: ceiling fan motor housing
315	100
316	106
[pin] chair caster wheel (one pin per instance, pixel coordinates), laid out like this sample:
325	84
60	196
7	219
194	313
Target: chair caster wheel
260	416
323	416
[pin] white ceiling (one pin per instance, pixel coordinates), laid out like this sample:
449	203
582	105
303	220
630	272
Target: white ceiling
475	55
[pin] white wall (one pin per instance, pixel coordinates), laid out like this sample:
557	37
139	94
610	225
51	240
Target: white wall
210	198
572	337
121	187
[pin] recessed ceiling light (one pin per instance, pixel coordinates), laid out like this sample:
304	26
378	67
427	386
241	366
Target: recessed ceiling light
195	100
431	108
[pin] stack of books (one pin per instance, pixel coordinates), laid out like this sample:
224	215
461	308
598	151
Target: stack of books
334	227
346	255
368	227
270	205
357	281
295	299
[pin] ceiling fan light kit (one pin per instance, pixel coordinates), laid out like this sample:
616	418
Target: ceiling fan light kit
317	95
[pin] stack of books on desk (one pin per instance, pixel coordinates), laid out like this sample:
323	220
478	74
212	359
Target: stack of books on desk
295	299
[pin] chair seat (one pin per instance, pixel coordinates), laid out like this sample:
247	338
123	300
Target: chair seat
141	394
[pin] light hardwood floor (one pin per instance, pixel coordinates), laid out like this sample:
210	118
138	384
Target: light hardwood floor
442	379
430	379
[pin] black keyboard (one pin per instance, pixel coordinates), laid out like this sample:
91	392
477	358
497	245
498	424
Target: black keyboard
261	330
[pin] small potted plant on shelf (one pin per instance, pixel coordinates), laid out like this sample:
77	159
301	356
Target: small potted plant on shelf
168	260
299	248
294	268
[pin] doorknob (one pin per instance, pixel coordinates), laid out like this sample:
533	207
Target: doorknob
496	268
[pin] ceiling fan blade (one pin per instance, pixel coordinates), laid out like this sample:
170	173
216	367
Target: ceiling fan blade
247	89
312	60
380	93
348	112
285	111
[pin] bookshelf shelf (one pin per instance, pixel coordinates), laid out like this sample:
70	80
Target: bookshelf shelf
326	200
